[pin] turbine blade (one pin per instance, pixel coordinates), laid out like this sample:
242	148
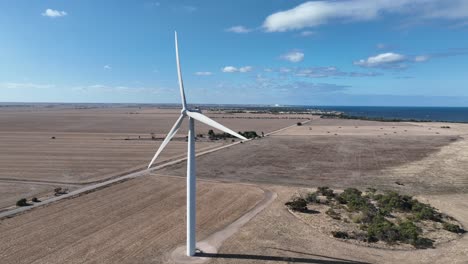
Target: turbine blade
168	138
211	122
179	74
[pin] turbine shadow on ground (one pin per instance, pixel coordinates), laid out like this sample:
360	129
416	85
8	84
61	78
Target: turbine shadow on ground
279	258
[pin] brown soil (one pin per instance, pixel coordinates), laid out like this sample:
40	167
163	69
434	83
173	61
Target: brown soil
138	221
341	162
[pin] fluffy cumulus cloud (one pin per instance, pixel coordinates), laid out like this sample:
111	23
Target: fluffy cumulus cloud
293	56
204	73
315	13
238	29
231	69
54	13
107	67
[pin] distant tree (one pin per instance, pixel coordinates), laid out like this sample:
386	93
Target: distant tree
153	137
299	123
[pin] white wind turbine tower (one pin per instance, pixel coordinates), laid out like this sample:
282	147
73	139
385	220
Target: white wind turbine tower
191	173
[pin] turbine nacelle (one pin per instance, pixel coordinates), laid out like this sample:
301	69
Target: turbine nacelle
192	113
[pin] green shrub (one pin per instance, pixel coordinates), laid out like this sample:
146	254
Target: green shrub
312	197
453	228
297	204
340	234
393	201
355	201
325	191
423	242
22	202
423	211
409	232
382	229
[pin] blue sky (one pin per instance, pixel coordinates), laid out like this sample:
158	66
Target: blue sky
352	52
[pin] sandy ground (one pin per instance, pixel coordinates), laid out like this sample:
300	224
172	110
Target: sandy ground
138	221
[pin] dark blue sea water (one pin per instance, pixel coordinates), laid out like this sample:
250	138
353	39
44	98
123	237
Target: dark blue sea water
449	114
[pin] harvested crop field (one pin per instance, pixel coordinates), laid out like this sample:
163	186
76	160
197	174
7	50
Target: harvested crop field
80	157
137	221
343	161
69	144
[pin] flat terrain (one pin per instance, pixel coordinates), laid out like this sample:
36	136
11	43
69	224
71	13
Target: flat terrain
349	159
138	221
66	144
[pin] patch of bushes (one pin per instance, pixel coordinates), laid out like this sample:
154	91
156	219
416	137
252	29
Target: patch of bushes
382	229
390	201
355	201
326	191
22	202
35	200
215	136
340	234
297	204
453	228
312	198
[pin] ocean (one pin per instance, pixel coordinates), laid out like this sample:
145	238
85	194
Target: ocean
447	114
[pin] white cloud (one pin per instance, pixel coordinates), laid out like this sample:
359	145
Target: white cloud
107	67
54	13
14	85
383	60
315	13
307	33
245	69
238	29
421	58
293	56
230	69
205	73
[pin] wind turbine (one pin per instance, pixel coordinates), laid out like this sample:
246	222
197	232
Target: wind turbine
192	114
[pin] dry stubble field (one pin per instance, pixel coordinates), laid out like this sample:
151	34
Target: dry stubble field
93	144
137	221
290	158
